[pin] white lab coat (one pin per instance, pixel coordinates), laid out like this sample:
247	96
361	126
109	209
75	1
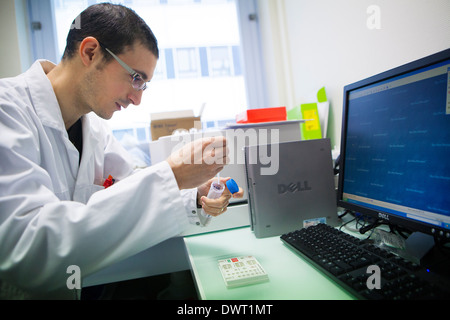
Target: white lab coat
55	213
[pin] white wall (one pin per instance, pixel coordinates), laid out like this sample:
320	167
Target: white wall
9	43
15	51
329	44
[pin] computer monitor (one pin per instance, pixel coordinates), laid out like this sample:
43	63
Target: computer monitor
395	147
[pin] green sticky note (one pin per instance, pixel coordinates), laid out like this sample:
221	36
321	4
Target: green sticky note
294	114
322	95
311	127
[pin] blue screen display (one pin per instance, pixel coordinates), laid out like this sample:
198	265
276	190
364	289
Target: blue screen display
397	151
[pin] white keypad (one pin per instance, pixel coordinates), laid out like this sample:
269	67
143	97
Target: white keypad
240	271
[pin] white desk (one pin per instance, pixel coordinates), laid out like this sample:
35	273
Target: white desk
290	276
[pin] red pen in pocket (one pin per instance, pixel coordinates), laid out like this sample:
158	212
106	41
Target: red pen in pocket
108	182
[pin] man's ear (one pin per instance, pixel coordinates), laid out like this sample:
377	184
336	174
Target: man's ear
89	51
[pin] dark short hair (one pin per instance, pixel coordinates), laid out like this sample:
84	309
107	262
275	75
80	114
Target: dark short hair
115	26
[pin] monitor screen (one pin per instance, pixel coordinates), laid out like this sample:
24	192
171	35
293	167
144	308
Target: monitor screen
395	153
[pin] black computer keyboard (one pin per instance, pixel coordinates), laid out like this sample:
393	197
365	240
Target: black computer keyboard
346	259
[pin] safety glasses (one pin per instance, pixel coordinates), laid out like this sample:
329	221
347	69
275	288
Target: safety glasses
136	80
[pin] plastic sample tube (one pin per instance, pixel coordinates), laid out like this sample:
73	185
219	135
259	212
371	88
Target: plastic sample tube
216	190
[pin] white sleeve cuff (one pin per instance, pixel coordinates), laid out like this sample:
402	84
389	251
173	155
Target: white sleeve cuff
189	197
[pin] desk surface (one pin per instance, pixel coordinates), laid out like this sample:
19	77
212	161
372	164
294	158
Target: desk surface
290	276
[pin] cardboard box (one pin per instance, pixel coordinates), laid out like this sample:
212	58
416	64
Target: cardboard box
165	123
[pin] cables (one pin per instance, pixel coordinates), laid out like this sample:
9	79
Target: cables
371	226
360	221
363	223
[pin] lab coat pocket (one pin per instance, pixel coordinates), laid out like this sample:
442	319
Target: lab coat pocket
83	193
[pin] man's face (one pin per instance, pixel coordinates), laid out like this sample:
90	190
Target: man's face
108	88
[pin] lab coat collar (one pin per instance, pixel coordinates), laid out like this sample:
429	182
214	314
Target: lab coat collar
43	96
49	112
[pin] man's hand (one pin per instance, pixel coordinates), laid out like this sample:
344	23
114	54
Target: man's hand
199	161
216	207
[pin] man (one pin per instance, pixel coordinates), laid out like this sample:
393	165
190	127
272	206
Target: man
56	154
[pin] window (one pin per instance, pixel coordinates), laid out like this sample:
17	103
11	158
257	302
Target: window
220	61
202	60
187	63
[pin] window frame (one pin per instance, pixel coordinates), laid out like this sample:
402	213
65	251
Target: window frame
42	28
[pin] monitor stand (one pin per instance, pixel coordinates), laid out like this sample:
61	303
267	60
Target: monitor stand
417	246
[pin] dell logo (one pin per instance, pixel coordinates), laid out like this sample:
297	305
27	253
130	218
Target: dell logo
293	187
383	216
